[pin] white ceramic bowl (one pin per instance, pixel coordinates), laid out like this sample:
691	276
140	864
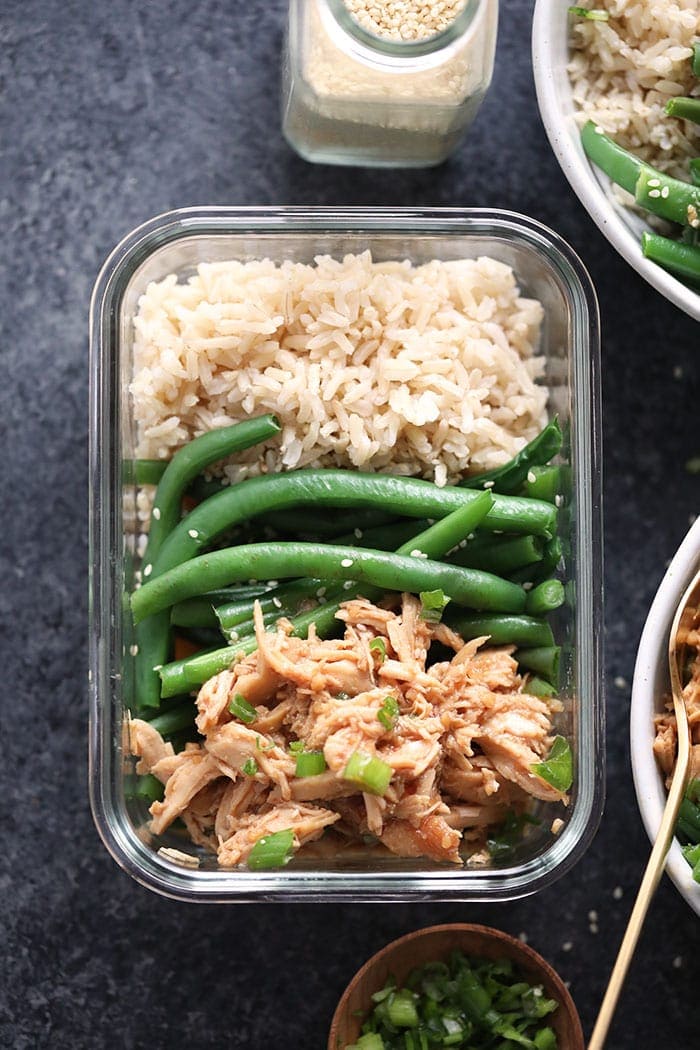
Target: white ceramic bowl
550	31
650	683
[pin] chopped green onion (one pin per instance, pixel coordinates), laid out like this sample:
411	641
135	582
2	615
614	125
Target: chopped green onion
296	745
260	746
310	763
401	1009
147	788
368	1041
432	605
272	851
591	13
378	645
557	769
368	772
240	708
250	767
388	713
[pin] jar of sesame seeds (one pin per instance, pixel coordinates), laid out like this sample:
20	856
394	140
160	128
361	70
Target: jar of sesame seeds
386	83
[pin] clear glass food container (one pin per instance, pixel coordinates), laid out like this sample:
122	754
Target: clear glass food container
352	97
547	269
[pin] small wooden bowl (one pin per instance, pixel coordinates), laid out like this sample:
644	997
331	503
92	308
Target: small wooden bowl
436	943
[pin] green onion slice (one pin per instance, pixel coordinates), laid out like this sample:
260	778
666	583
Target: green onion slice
432	605
296	745
378	645
388	713
272	851
240	708
310	763
591	13
250	767
558	768
368	772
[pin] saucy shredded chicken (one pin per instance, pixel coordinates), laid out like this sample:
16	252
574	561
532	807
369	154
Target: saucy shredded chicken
457	739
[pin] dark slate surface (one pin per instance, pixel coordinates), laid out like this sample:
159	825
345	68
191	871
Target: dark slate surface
111	114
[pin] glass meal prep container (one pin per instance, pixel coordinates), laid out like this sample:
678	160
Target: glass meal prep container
546	268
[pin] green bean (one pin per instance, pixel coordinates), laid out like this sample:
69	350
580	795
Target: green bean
543	483
145	788
545	597
667	197
410	497
307	520
552	554
188	462
384	537
144	471
231	614
499	554
683	260
689	814
543	660
508	478
619	165
184	675
470	587
502	630
153	639
538	687
175	718
199	612
695	171
684	108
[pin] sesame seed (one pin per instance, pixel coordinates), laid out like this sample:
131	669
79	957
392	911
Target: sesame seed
233	636
193	533
531	477
558	499
654	193
522	937
320	592
156	513
346	563
528	585
617	893
347	585
599	130
567	946
665	192
678	962
357	533
678	372
148	570
654	182
557	825
277	602
489	484
593	916
620	682
133	650
593	927
158	667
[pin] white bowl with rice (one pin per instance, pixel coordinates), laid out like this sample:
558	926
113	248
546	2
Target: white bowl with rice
650	686
626	94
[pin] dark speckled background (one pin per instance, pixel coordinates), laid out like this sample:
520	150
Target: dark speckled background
112	113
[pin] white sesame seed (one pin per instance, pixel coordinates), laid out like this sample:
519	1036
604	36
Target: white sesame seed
346	563
148	570
617	893
531	477
527	586
678	372
593	927
678	962
567	946
233	636
156	513
654	182
665	192
593	916
277	602
522	937
558	499
557	825
348	584
654	193
620	682
489	484
158	667
599	130
357	533
192	533
273	583
133	650
320	592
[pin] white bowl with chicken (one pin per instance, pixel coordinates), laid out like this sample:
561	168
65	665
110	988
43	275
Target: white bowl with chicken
650	687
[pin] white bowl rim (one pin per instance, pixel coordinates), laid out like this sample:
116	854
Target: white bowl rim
646	699
579	171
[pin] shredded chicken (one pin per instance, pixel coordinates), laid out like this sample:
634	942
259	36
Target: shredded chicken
666	741
456	740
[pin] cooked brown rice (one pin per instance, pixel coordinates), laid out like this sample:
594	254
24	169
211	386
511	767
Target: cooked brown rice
428	370
623	72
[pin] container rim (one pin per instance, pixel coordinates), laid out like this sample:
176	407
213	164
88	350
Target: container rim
177	882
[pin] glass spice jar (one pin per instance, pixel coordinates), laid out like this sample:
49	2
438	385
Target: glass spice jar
351	96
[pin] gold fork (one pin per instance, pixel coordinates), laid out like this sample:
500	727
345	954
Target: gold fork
685	618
